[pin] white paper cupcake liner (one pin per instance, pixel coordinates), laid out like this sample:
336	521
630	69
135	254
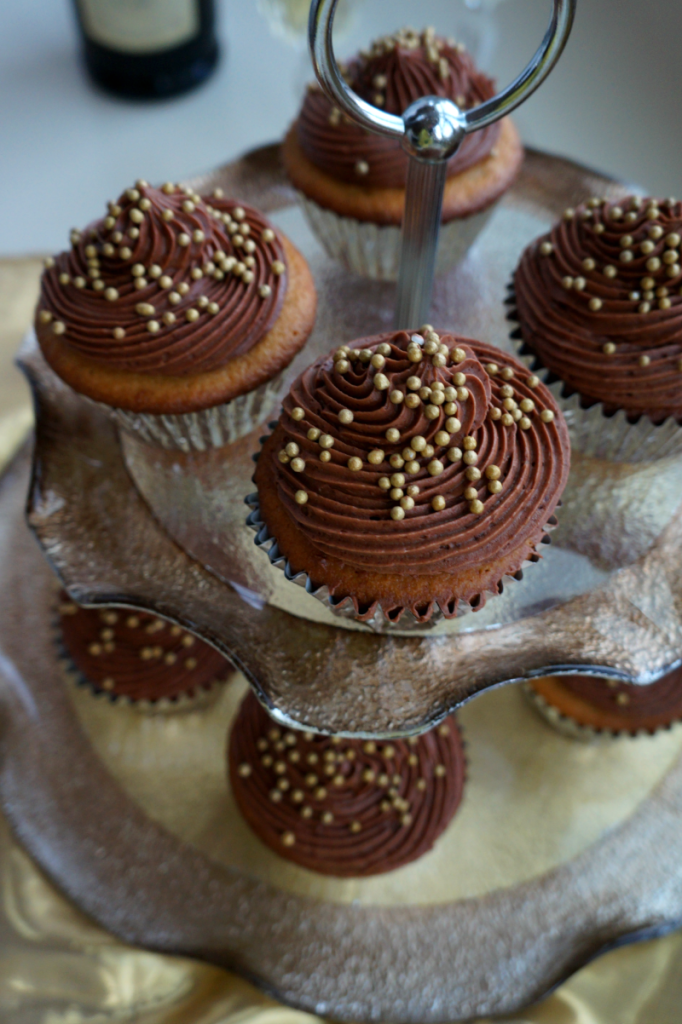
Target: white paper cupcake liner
373	250
574	730
209	428
594	432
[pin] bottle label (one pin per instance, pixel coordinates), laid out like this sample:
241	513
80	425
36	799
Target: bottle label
140	26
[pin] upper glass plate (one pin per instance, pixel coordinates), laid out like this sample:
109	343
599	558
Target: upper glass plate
603	598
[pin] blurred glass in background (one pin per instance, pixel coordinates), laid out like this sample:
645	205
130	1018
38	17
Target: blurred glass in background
473	22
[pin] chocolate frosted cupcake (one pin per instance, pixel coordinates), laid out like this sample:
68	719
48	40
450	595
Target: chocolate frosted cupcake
135	655
586	706
350	808
599	309
179	312
410	473
353	181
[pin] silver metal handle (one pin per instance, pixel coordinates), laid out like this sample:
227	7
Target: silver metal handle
431	130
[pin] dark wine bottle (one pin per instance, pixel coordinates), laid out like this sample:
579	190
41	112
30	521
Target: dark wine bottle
148	48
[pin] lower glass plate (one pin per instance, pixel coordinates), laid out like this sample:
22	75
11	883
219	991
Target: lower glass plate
560	851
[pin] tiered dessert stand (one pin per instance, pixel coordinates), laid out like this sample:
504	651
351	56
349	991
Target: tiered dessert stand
131	819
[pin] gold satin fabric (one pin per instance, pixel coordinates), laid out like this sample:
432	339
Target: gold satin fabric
56	967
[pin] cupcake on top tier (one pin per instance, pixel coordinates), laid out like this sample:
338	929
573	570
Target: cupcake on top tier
411	472
350	808
599	308
135	655
585	706
179	312
353	181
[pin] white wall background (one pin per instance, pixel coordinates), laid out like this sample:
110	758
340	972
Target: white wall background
613	102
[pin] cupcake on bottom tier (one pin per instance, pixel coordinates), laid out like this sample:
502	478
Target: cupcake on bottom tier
349	808
409	473
135	655
598	306
587	706
352	181
179	312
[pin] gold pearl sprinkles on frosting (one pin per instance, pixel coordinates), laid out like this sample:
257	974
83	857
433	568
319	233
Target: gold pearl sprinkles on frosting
468	472
344	807
136	656
204	276
599	301
425	346
391	73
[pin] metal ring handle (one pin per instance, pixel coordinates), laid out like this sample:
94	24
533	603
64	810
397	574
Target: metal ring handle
462	122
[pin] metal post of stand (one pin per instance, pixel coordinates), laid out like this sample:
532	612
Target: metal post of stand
431	130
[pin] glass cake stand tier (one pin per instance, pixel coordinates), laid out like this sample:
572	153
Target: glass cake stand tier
559	852
126	522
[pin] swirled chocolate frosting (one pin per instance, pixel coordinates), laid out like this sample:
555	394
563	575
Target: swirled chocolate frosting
137	655
598	302
418	454
167	283
344	807
396	71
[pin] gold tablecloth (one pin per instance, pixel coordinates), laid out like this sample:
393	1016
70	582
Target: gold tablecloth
56	967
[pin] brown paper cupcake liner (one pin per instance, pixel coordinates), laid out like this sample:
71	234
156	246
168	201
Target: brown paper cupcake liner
373	250
209	428
376	617
594	431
